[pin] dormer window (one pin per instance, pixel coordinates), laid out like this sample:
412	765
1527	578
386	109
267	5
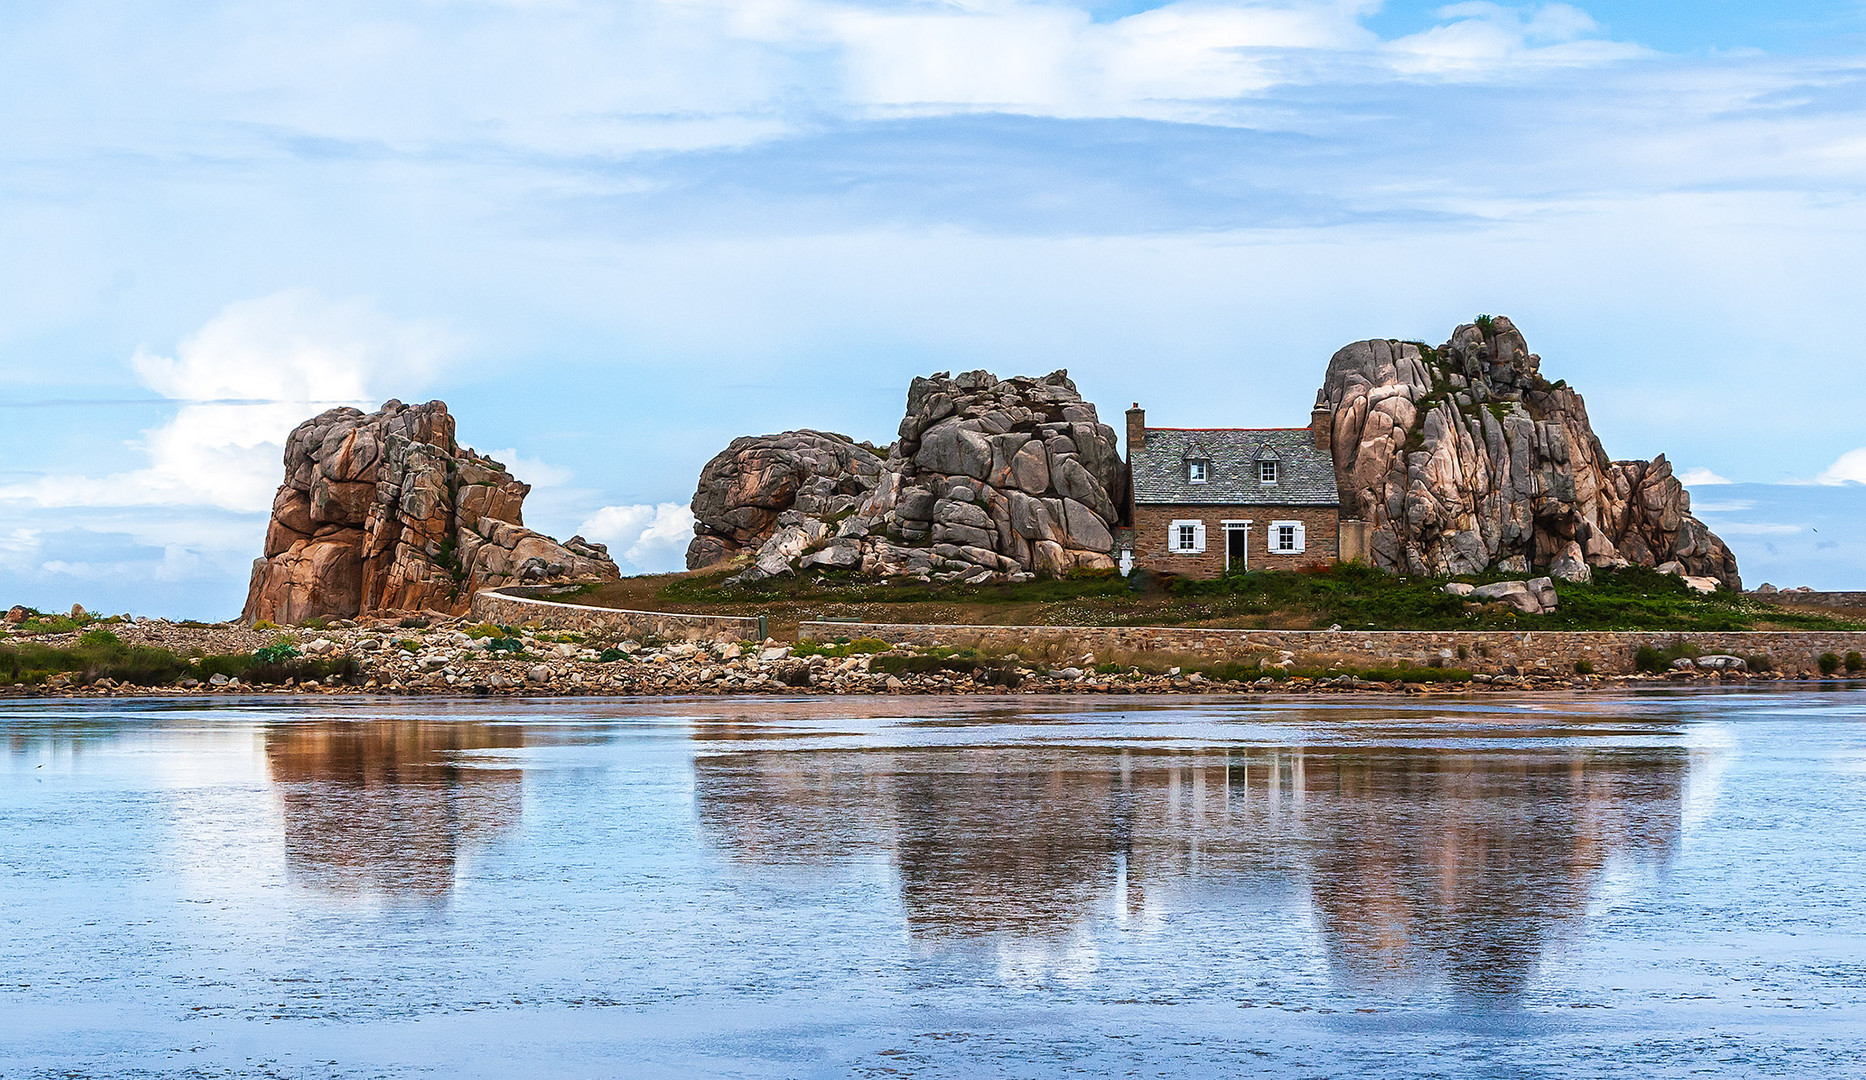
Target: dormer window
1266	472
1198	472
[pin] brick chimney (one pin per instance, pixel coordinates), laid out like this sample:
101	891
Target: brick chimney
1322	425
1136	430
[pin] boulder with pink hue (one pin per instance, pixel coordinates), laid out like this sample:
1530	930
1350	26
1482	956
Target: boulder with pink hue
990	479
1464	458
385	512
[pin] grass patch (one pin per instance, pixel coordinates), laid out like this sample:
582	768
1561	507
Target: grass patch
100	654
1356	597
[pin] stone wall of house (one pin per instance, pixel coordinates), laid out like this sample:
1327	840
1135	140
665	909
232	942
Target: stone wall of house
511	607
1528	651
1153	525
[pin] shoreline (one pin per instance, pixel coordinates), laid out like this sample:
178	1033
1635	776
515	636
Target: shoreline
446	656
935	686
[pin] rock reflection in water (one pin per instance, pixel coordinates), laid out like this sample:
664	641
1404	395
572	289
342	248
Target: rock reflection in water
388	806
1450	867
1462	867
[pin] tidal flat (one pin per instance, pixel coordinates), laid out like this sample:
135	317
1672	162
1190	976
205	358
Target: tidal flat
1656	883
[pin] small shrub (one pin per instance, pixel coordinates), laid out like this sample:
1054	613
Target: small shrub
607	656
1854	662
1648	658
275	654
318	623
265	624
1486	325
1829	663
1584	666
503	644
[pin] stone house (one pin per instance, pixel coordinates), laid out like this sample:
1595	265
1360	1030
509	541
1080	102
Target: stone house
1206	501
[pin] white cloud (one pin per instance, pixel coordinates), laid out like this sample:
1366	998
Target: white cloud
1848	468
1483	39
592	78
651	539
1700	477
18	547
534	471
1053	59
246	378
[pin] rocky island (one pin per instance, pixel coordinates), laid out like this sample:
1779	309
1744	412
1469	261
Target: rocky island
1455	460
980	552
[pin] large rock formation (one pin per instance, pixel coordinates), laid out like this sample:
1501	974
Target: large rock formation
386	512
750	484
991	479
1464	457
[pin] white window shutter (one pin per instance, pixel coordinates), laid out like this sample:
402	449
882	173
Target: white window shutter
1198	537
1300	541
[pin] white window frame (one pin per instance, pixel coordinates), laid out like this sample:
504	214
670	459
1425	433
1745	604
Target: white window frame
1275	472
1198	472
1274	539
1174	537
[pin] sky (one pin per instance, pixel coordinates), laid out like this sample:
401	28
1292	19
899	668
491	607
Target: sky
614	236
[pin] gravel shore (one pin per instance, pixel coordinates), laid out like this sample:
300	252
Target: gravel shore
443	659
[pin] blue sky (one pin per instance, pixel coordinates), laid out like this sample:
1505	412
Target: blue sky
614	236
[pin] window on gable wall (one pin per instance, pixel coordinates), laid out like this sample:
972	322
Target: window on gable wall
1198	472
1266	472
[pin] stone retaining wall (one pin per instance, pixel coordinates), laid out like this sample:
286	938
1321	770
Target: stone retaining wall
512	607
1812	599
1549	651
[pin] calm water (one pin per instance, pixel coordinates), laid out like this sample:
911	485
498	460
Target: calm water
1662	885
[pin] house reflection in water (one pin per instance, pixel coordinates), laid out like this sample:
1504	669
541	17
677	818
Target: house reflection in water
388	807
1419	864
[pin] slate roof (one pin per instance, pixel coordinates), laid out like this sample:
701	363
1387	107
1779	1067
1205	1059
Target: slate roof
1305	475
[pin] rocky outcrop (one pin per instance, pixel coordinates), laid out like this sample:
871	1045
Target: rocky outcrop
1463	458
991	479
1536	596
386	512
747	487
